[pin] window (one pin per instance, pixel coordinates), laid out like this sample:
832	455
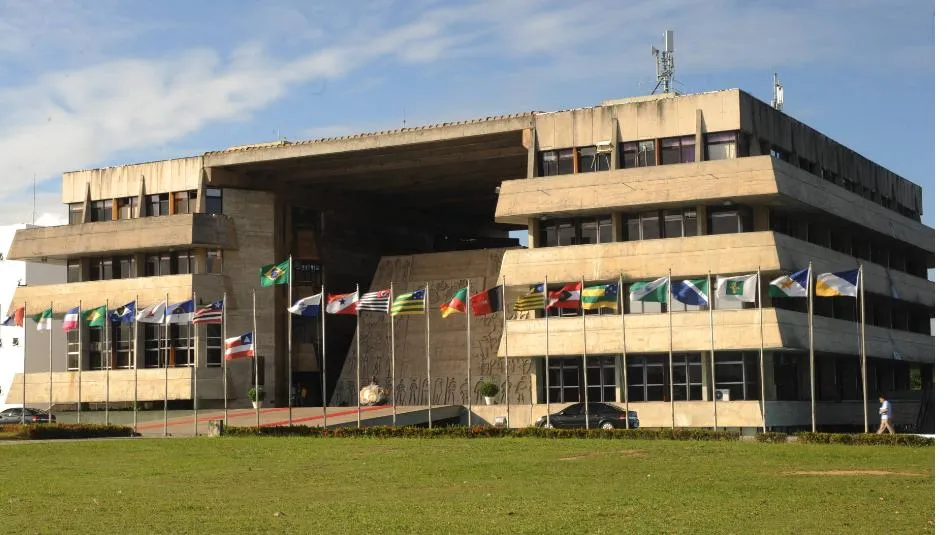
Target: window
638	154
558	162
213	344
128	207
186	202
154	345
602	379
122	342
738	373
729	220
97	347
589	159
74	271
100	269
720	146
660	224
185	263
213	203
101	210
647	378
213	260
183	350
650	225
156	205
577	231
126	267
72	350
565	380
688	378
678	150
75	213
158	265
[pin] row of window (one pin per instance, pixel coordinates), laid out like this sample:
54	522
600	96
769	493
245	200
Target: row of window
880	311
181	202
178	349
154	265
649	378
839	377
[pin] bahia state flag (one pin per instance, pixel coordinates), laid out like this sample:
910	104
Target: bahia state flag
456	305
272	274
654	291
342	303
71	321
691	292
795	285
239	347
741	288
599	296
307	307
843	283
44	320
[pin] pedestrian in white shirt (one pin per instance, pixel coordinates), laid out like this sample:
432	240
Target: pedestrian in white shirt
886	413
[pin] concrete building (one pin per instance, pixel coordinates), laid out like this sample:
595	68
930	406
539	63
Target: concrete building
716	183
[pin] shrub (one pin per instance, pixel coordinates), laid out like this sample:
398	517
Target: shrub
255	393
55	431
866	439
480	432
488	389
772	437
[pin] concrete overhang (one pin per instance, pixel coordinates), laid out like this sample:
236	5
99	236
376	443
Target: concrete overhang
55	244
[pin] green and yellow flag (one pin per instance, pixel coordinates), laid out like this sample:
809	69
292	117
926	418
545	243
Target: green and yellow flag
272	274
411	303
599	296
95	317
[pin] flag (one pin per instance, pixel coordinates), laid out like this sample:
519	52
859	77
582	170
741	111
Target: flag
795	285
71	321
44	320
180	313
342	303
843	283
152	314
487	302
567	297
533	300
209	314
308	306
95	317
456	304
740	288
411	303
272	274
654	291
599	296
16	320
123	314
378	301
239	347
691	292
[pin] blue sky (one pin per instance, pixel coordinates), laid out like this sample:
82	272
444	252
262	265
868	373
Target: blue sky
103	82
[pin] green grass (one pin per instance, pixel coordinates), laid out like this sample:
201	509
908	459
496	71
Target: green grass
236	485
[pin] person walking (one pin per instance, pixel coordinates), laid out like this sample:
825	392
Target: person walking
886	414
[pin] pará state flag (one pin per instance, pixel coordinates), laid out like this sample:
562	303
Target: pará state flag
741	288
180	313
843	283
308	306
794	285
71	321
342	303
691	292
152	314
654	291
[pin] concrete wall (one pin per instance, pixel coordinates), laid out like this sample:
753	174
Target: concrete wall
121	385
128	180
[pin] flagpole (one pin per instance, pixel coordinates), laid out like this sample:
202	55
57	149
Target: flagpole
627	399
584	352
193	339
713	363
862	342
50	333
224	361
359	410
107	327
670	348
168	351
135	364
290	340
469	347
762	344
505	333
429	382
392	354
812	354
547	352
323	348
23	375
254	356
79	362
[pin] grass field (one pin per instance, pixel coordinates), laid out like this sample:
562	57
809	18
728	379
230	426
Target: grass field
306	485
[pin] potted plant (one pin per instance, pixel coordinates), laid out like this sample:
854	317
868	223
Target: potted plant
255	394
488	391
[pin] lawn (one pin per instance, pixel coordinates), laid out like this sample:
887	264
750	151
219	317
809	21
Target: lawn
309	485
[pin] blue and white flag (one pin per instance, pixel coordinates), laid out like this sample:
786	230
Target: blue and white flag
843	283
308	306
152	314
691	292
180	313
123	314
795	285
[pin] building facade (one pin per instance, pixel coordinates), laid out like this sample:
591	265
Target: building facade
692	185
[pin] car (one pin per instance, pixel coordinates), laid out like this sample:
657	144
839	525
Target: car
600	415
31	416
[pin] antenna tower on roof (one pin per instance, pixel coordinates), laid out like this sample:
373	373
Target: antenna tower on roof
665	62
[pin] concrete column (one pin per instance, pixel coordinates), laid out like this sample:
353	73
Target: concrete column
617	222
615	145
140	204
769	376
534	234
87	206
760	218
707	376
702	220
698	148
201	261
530	139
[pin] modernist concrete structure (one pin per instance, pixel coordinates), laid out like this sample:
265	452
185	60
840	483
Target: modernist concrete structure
715	183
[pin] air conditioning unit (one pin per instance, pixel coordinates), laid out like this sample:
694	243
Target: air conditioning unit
722	394
604	146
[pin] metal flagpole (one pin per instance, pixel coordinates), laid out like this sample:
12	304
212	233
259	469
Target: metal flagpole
812	351
359	410
862	342
168	351
505	333
107	327
584	353
713	362
762	344
135	364
627	399
469	347
254	357
323	348
547	351
290	340
193	340
670	348
429	381
392	354
224	361
23	375
79	363
50	333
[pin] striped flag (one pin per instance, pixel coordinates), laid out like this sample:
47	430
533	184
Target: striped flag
71	321
599	296
378	301
533	300
409	303
208	314
239	347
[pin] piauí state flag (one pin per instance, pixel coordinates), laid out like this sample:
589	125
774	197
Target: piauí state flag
843	283
71	321
795	285
654	291
691	292
456	305
308	306
44	320
533	300
95	317
272	274
741	288
599	296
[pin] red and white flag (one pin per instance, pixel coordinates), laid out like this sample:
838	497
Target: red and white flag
567	297
239	347
342	303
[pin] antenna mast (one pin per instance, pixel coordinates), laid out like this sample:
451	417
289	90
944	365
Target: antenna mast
777	93
34	198
665	62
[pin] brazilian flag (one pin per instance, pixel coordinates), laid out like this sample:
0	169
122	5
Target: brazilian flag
272	274
95	317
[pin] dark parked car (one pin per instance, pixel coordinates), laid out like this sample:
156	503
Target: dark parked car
31	416
603	415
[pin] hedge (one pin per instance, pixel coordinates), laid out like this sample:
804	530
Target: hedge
772	437
864	439
479	432
54	431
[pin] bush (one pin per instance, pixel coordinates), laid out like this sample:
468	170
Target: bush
488	389
772	437
864	439
54	431
255	393
480	432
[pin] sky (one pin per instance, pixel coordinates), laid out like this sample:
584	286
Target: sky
87	84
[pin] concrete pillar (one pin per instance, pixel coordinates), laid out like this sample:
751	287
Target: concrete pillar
201	261
530	139
87	206
702	220
615	145
140	204
769	376
698	148
760	218
534	234
617	222
706	366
